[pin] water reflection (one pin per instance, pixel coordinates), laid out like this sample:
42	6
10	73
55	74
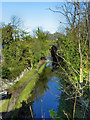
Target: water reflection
45	94
65	107
41	85
49	58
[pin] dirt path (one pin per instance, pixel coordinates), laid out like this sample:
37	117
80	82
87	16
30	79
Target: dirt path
16	93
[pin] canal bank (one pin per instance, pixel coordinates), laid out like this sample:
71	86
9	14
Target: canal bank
37	96
43	98
16	98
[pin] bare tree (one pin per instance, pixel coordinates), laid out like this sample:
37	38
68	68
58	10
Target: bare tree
16	21
76	14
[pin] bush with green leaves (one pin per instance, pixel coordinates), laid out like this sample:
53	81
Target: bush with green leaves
5	72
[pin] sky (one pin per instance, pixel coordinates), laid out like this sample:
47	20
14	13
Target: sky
33	15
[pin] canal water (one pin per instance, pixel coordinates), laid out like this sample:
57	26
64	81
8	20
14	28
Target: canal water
45	95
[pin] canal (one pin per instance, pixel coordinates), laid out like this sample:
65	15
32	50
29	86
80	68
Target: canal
45	95
47	100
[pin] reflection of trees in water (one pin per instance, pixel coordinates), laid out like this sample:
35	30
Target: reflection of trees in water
23	113
41	85
66	108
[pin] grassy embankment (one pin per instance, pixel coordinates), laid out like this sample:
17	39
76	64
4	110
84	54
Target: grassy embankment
28	88
26	92
4	106
23	79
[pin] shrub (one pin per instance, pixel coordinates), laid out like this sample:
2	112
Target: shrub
5	72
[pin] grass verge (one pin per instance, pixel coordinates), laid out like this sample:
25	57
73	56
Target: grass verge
24	79
27	89
26	92
4	106
18	84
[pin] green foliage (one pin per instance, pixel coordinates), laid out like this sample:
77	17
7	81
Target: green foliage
24	79
5	72
40	47
68	50
73	51
7	37
20	50
52	113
